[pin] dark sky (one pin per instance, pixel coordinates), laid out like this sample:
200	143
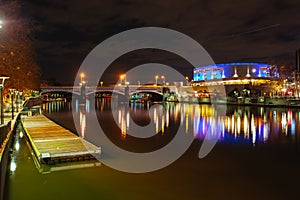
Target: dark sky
232	30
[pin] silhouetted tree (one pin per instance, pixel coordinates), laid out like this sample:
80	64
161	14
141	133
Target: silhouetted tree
17	55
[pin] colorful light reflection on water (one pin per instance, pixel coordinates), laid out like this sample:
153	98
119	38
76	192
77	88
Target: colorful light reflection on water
249	125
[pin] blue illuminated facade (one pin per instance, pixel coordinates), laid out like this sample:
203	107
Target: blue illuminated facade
235	70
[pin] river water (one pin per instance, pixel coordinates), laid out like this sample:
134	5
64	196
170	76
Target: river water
257	154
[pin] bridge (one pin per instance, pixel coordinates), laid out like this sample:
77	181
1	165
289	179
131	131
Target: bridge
132	89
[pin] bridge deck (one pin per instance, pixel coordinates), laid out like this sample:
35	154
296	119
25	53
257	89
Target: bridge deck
51	142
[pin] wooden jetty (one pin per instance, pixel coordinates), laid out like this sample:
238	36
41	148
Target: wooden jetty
53	143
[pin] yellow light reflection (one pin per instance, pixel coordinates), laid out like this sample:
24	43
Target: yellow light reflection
239	124
163	125
246	126
82	121
167	118
156	124
186	123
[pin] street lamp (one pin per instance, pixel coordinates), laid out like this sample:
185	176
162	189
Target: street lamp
1	23
82	75
123	76
163	78
156	77
2	79
187	80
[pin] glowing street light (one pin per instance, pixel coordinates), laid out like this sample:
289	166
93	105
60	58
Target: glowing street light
156	77
82	75
123	76
1	23
163	78
187	80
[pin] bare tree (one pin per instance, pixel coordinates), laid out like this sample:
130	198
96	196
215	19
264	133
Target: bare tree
17	57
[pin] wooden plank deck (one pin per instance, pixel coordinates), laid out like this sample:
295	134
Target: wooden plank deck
51	142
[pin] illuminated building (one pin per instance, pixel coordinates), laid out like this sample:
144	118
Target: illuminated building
235	76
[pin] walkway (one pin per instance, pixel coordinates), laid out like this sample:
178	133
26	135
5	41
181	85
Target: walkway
53	143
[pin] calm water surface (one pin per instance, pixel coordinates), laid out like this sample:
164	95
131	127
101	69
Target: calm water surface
256	155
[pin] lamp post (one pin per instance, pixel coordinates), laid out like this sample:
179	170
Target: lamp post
187	80
156	77
163	78
12	93
82	89
2	79
123	76
82	75
18	100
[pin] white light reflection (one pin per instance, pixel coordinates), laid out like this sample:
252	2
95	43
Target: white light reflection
127	119
13	166
266	132
21	134
253	130
17	145
284	123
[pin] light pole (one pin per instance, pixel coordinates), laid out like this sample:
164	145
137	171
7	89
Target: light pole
82	89
18	100
82	75
123	76
2	79
187	80
156	77
12	93
163	78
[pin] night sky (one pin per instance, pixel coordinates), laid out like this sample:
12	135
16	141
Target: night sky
234	30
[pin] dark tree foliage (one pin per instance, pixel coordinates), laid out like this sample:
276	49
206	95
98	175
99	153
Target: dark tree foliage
17	57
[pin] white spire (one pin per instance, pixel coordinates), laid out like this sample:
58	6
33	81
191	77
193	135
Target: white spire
235	73
248	72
